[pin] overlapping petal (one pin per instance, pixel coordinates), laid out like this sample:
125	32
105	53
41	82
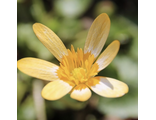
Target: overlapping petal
108	55
56	90
38	68
97	35
51	41
109	87
82	94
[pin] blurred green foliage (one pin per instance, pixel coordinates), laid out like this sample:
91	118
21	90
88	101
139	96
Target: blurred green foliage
70	20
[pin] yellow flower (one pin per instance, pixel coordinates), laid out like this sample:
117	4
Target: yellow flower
77	72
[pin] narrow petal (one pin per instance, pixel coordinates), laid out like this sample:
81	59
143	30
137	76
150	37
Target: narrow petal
38	68
108	55
56	90
81	93
97	35
109	87
50	40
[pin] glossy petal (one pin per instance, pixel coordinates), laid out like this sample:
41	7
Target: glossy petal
82	94
38	68
108	55
51	41
97	35
56	90
109	87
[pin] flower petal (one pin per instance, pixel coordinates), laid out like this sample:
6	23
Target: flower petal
97	35
55	90
38	68
108	55
81	93
51	41
109	87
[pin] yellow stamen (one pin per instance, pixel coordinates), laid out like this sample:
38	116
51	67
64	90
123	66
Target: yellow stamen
77	68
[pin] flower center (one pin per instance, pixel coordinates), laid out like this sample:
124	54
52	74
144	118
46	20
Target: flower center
77	68
79	75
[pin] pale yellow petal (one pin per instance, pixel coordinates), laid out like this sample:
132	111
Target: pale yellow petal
97	34
108	55
50	40
82	94
56	90
109	87
38	68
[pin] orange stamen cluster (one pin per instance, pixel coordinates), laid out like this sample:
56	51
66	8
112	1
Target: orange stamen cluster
77	68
